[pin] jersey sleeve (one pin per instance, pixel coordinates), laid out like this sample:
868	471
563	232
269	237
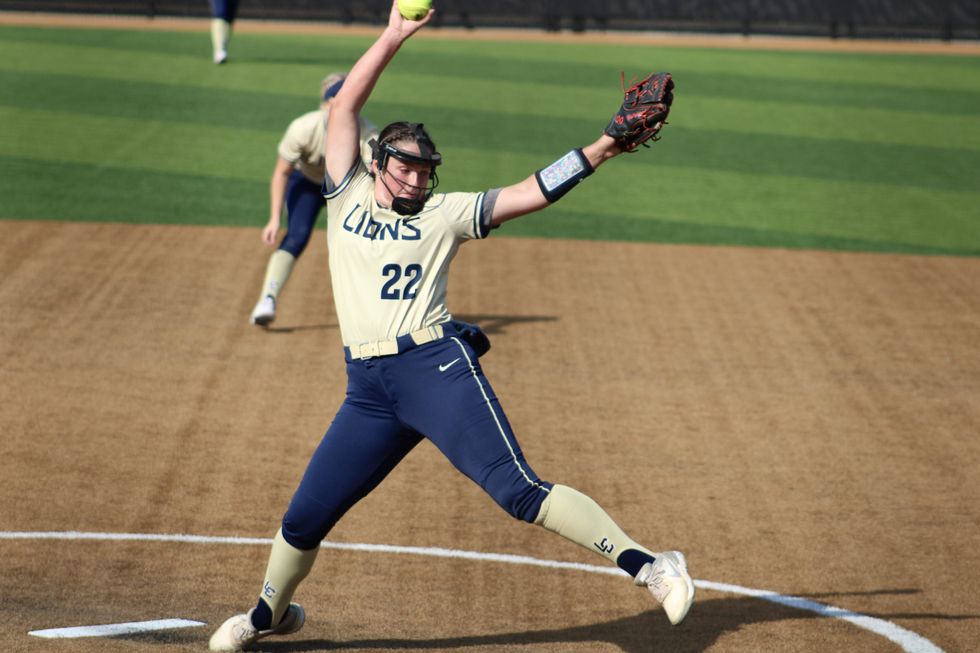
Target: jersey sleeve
294	141
467	214
356	176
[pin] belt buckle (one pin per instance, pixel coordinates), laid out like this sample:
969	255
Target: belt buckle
368	350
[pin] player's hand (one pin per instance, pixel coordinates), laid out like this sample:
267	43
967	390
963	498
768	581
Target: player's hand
404	26
270	232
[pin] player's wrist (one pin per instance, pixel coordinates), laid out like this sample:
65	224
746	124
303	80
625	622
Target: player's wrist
608	147
602	150
394	36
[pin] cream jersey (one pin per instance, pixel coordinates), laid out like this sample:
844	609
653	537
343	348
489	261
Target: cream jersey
390	272
302	144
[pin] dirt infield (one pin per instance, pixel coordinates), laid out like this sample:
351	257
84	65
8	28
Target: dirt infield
754	42
801	422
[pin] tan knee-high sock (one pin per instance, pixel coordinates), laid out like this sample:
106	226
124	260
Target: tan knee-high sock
277	272
288	566
578	518
220	34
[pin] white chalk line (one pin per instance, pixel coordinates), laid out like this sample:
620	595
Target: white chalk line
905	639
112	630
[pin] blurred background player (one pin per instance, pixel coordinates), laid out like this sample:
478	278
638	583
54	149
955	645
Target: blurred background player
297	179
223	14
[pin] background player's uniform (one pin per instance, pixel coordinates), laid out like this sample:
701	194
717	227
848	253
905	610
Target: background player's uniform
301	146
223	14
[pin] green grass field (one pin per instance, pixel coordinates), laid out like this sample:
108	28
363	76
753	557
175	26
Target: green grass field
864	152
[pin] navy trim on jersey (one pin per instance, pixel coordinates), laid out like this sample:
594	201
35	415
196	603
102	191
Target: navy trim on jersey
331	194
486	219
479	226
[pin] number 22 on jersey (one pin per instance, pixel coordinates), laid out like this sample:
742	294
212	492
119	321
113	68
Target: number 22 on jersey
398	288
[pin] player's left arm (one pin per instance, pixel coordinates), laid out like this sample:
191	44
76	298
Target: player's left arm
545	186
641	116
277	192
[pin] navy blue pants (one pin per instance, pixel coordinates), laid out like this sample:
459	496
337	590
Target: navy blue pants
224	9
437	391
304	201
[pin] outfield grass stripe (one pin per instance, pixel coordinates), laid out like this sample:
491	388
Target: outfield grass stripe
147	100
604	209
910	71
164	148
832	160
848	151
464	69
275	74
708	149
74	191
604	82
116	39
847	209
914	71
857	213
792	86
207	150
741	109
579	226
830	94
280	49
222	107
894	123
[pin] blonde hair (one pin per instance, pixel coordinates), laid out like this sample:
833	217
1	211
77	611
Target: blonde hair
328	82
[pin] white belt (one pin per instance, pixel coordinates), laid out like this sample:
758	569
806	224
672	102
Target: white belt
392	347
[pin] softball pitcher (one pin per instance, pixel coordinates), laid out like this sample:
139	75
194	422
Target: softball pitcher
413	371
296	180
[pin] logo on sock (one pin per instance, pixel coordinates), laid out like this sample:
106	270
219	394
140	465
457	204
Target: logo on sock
268	590
605	546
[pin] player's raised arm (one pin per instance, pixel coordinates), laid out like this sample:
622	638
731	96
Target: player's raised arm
342	143
640	118
547	185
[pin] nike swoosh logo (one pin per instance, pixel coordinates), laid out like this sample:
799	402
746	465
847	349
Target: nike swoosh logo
443	368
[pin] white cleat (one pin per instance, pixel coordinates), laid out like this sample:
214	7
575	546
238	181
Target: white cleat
238	633
264	312
220	56
668	581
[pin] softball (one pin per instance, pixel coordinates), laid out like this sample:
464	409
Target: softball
414	9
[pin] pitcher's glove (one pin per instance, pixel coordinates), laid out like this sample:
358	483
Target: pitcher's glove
644	111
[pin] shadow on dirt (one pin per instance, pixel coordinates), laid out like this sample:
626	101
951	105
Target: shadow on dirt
497	324
300	327
649	631
491	324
